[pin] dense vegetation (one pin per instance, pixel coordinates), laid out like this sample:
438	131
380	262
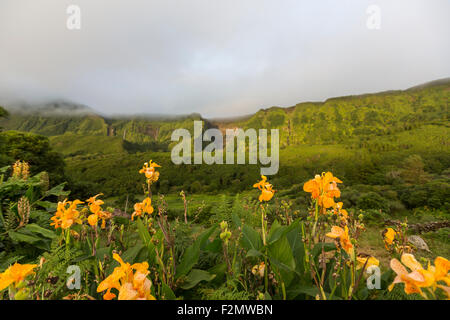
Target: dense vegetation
204	232
375	140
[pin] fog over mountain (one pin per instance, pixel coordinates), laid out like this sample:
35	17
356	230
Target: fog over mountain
218	59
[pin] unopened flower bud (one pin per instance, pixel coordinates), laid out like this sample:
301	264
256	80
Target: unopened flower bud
223	225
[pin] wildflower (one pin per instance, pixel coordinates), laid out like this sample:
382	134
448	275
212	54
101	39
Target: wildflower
104	215
344	239
266	189
419	277
342	212
147	206
149	170
94	204
389	236
65	216
21	170
324	189
371	261
442	266
259	269
97	212
142	208
15	274
93	219
129	280
137	211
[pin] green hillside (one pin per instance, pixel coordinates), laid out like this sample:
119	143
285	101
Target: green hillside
76	144
339	119
334	121
365	139
140	130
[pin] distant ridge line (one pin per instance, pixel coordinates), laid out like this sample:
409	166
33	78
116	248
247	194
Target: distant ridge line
67	108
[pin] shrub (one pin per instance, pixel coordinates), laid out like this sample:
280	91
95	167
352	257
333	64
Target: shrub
372	200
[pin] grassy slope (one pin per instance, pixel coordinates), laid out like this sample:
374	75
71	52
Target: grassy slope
345	135
73	144
334	121
344	118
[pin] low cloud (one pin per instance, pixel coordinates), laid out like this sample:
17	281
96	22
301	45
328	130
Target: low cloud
217	58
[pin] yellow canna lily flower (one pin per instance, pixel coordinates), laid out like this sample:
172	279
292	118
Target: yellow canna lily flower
411	280
266	189
130	280
149	170
442	267
147	206
389	236
324	189
15	274
93	219
137	211
65	216
94	204
410	261
371	261
344	239
142	208
419	277
259	269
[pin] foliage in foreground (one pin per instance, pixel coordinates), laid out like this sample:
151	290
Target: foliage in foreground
279	254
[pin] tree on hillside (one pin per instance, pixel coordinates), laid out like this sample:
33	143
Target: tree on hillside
413	170
3	157
34	149
3	113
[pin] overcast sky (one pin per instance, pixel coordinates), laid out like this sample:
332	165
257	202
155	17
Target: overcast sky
218	58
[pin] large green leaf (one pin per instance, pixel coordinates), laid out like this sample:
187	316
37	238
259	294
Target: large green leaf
36	229
275	232
167	292
143	232
194	277
219	270
282	259
131	254
254	253
27	237
214	246
47	205
251	239
192	253
236	220
147	240
308	290
294	236
57	191
22	237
